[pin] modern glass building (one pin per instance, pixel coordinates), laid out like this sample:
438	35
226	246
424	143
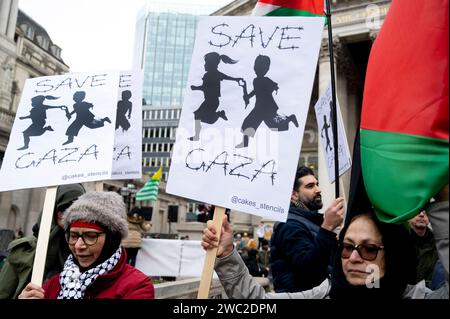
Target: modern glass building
165	35
169	41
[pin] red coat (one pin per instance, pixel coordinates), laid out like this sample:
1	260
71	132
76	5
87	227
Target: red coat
122	282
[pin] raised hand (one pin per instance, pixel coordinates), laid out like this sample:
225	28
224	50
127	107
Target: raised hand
334	215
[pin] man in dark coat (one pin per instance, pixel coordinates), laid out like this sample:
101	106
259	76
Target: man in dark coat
301	248
425	246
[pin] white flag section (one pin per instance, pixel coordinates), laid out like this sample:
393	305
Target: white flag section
324	120
244	112
169	257
63	131
127	158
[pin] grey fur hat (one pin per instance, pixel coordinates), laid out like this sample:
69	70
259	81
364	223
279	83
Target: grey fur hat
104	208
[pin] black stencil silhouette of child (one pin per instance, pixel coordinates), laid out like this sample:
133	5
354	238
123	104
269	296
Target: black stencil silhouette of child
124	106
38	116
325	128
266	108
207	112
84	117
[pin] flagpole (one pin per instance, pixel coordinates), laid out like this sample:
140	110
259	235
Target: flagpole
333	100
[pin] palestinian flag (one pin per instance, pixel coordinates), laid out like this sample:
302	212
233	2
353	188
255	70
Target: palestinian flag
404	121
311	8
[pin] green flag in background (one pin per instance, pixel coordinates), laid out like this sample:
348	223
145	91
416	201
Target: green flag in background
150	189
312	8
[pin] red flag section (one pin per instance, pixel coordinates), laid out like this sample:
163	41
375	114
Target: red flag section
313	6
406	88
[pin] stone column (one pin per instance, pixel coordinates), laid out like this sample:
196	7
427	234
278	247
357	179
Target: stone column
5	207
4	15
348	84
328	189
11	29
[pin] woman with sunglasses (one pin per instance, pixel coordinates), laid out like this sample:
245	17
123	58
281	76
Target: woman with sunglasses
96	268
375	260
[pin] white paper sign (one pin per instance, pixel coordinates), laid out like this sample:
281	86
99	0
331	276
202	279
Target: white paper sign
324	116
127	158
63	131
247	74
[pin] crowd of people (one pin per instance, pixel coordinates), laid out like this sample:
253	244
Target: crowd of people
85	256
94	241
367	258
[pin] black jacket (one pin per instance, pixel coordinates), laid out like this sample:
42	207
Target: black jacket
301	251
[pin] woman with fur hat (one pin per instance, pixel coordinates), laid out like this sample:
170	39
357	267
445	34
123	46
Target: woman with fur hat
96	268
16	272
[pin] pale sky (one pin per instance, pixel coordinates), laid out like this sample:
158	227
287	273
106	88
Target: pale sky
94	34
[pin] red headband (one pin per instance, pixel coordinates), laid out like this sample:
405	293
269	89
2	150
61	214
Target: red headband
84	224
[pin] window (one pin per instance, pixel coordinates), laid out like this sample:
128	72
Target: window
30	32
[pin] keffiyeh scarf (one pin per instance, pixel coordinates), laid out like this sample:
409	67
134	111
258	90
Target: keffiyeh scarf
74	283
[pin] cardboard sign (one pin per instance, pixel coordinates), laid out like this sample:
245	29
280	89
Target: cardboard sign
324	120
244	112
63	132
127	157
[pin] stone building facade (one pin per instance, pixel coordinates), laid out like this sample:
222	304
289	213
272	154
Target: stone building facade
26	51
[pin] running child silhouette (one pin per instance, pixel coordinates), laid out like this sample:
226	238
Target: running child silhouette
266	108
207	112
38	116
325	128
84	117
124	106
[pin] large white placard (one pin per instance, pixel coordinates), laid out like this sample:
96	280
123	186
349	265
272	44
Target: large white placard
63	131
324	120
127	158
244	112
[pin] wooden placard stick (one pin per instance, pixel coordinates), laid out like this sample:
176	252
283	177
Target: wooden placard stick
44	234
210	258
99	186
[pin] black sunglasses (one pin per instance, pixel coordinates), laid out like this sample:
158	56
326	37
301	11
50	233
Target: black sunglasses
367	252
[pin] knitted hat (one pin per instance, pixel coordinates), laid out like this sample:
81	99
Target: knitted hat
104	208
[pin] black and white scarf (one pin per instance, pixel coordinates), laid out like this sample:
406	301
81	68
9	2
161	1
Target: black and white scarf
74	283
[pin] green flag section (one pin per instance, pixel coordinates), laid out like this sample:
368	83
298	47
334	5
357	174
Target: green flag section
313	8
150	189
402	171
405	114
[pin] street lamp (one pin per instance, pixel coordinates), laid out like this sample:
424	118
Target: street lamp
129	195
